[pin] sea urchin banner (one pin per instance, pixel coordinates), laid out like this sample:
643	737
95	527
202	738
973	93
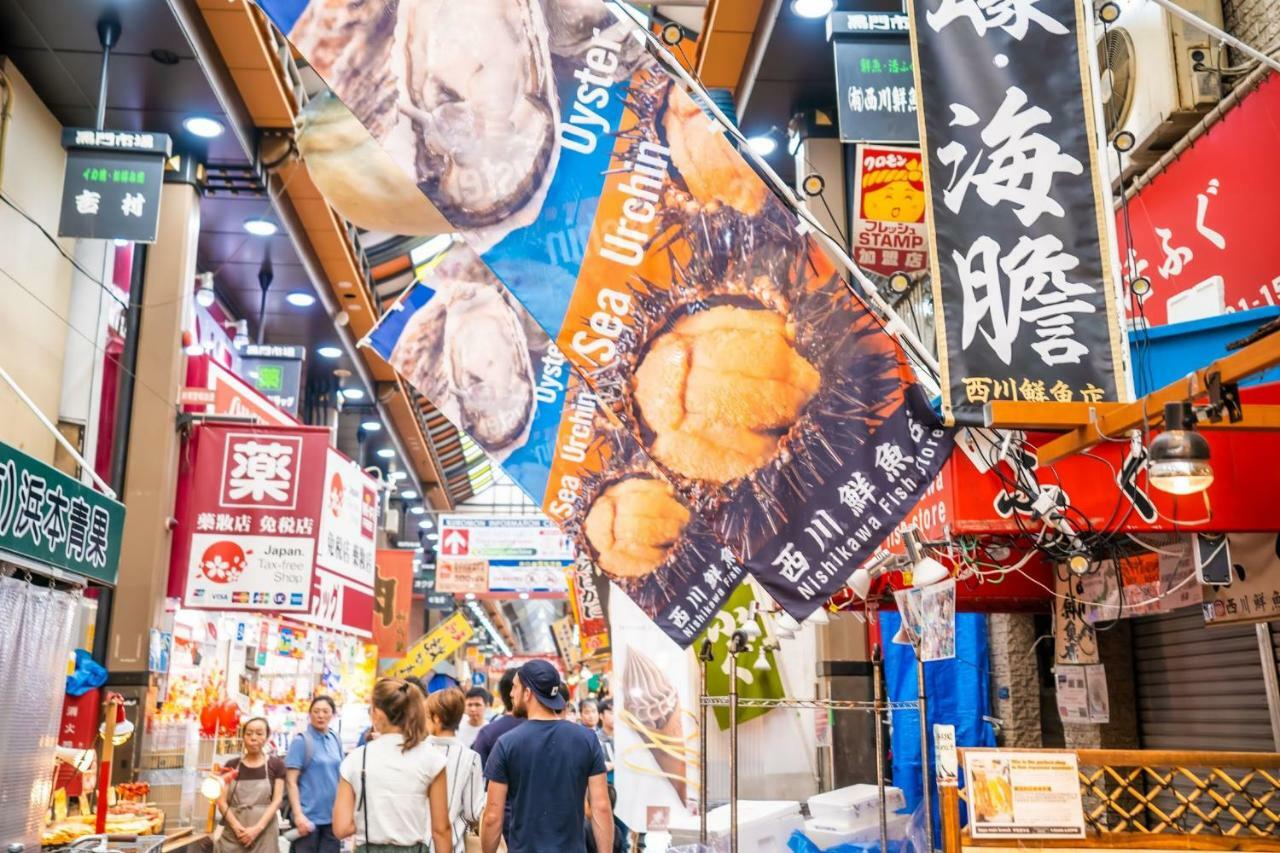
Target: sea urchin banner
745	386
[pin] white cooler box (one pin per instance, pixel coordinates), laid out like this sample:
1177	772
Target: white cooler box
763	826
856	805
827	833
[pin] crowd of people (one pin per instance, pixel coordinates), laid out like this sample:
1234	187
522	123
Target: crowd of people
434	772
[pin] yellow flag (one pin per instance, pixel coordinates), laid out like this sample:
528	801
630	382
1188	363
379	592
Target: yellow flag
444	640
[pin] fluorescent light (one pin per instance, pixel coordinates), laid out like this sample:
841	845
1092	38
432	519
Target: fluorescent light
424	524
203	127
416	510
763	145
432	537
260	227
397	476
367	426
329	352
812	8
300	299
471	596
408	495
385	453
524	596
353	393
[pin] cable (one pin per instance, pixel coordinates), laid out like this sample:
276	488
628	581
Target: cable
53	241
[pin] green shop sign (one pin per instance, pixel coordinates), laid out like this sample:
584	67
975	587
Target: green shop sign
50	518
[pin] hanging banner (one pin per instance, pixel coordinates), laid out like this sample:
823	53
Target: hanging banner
392	600
460	575
248	509
570	651
445	639
589	599
504	540
889	231
1021	266
735	390
1189	224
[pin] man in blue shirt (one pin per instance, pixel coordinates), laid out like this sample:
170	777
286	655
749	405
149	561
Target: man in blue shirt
311	768
541	773
500	726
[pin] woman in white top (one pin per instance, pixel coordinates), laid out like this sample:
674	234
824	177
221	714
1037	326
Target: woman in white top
384	784
466	781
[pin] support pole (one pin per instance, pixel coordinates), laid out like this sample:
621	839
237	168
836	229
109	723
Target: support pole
878	695
108	37
737	645
704	658
1270	678
926	787
110	710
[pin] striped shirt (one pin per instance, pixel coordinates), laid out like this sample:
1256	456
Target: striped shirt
466	787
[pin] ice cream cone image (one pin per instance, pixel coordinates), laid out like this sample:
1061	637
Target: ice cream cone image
651	706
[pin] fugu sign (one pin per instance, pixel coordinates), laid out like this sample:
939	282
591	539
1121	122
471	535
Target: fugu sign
732	405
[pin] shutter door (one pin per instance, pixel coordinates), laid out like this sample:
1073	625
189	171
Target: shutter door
1199	688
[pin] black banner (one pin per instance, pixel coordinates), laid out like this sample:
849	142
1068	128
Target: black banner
1021	267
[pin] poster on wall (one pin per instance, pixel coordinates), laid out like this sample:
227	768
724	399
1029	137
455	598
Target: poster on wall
889	231
1082	693
655	259
1021	266
248	512
1023	794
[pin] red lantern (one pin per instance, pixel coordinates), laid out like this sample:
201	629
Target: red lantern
209	719
229	717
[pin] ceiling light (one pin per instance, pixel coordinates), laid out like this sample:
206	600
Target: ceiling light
194	348
762	662
432	537
902	636
812	8
260	227
408	495
1179	462
417	510
397	476
300	299
424	524
203	127
927	572
241	339
385	453
353	393
368	426
763	145
471	596
860	583
205	297
329	352
818	617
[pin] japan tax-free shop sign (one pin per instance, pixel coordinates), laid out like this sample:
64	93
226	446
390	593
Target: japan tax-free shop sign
49	518
1021	266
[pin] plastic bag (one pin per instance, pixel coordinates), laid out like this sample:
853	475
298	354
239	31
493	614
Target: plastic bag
88	674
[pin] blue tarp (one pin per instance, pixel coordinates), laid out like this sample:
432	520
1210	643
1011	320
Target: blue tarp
958	694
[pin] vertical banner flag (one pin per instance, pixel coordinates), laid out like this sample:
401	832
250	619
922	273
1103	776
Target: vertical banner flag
733	403
1021	263
392	600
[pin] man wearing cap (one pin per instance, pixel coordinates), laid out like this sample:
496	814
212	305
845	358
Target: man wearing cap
540	773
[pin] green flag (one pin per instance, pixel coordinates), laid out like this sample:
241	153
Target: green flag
752	683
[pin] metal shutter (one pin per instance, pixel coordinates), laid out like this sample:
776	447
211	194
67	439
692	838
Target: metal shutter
1199	688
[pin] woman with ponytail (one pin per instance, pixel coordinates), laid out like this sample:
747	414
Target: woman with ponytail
385	783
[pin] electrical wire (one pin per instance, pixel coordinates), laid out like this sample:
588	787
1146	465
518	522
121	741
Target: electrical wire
53	241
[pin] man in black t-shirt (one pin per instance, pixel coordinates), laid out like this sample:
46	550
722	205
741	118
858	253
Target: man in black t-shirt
546	768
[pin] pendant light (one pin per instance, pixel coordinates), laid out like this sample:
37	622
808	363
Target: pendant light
1179	456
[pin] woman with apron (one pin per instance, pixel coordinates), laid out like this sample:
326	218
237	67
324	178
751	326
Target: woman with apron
249	804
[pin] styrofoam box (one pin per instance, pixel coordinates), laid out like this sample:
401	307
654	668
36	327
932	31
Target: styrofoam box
826	832
763	826
856	805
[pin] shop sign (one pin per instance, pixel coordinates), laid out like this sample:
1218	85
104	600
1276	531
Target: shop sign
233	396
1254	592
589	599
527	578
339	604
49	518
461	575
507	541
946	760
392	600
1021	267
889	231
440	601
570	652
445	639
1023	794
875	88
249	501
112	184
348	520
635	235
1196	232
752	683
275	372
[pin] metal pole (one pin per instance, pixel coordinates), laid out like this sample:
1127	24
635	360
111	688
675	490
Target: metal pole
1222	35
924	750
737	644
878	694
1270	678
108	37
704	658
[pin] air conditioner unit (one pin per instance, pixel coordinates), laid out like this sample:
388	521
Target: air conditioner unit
1158	76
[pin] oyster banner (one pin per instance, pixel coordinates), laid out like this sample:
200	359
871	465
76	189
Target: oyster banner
738	399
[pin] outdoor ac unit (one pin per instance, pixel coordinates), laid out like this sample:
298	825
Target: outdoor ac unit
1158	76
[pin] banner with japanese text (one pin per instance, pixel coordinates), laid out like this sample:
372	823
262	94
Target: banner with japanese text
434	647
1021	266
733	403
392	601
589	602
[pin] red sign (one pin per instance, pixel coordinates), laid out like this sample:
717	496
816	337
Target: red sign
1200	230
456	543
78	730
392	599
889	231
248	507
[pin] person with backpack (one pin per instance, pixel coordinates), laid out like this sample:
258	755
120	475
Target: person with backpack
250	803
445	709
393	791
311	767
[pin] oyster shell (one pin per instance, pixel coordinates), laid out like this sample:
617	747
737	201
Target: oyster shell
357	177
572	25
467	351
477	93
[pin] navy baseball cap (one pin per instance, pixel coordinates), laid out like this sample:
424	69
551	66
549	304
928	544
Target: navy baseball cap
541	677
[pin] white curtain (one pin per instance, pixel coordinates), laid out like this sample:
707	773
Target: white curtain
35	639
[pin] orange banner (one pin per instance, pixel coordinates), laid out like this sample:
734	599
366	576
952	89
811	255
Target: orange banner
392	600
